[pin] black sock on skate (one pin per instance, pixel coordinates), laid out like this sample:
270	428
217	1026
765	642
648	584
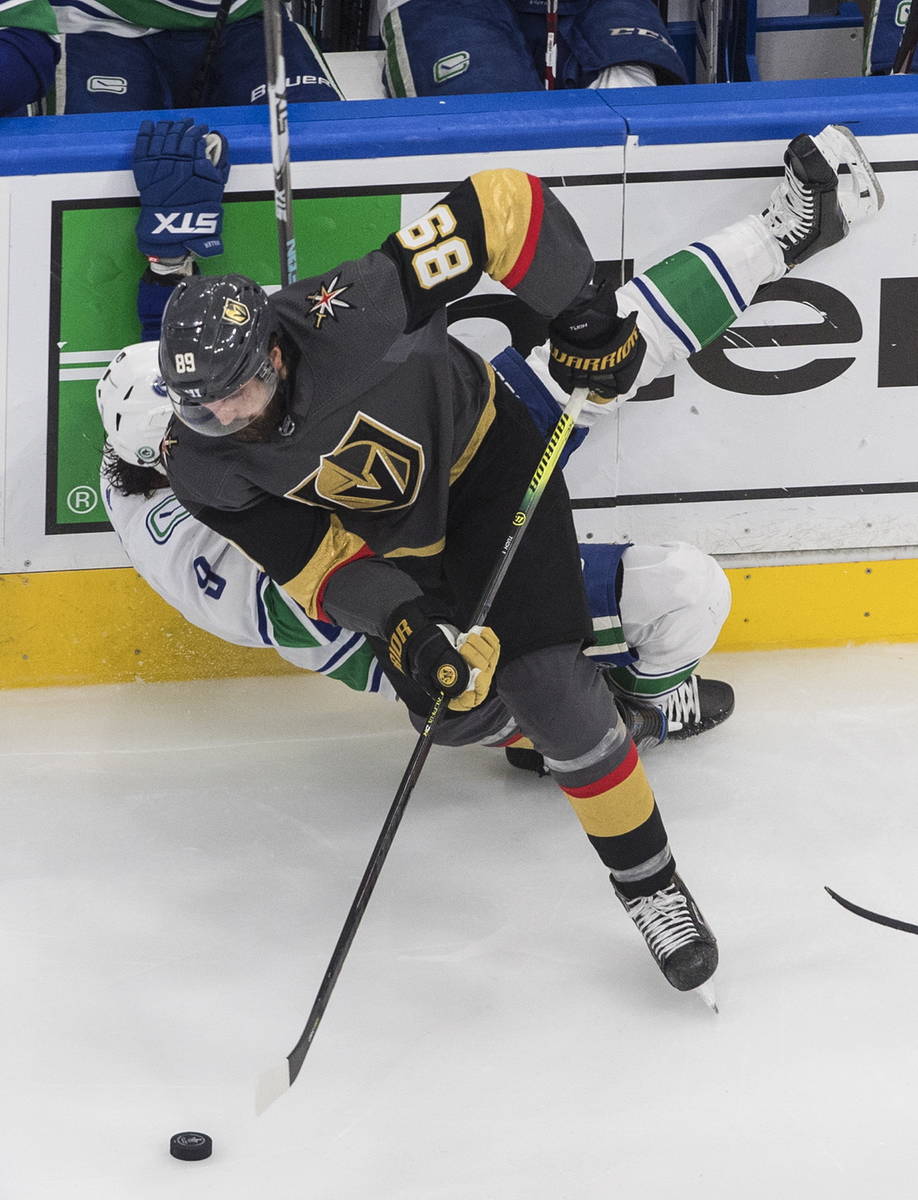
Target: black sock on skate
644	849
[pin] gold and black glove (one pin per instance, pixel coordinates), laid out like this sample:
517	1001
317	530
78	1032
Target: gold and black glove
591	346
440	659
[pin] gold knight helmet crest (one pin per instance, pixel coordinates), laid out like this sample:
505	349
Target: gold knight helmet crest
236	312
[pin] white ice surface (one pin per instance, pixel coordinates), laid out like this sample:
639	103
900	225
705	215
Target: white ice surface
176	862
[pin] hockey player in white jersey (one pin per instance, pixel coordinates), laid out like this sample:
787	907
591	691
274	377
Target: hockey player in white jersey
658	606
193	569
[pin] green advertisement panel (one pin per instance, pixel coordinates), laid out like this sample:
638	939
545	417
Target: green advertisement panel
96	269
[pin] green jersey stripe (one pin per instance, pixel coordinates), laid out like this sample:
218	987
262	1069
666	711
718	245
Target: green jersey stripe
637	685
355	671
28	14
398	68
698	301
287	629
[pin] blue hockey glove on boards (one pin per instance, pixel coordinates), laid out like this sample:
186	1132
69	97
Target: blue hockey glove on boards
180	170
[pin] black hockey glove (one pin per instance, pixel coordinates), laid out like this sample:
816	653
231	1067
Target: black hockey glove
440	659
593	347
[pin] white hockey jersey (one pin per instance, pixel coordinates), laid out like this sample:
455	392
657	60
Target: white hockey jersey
214	586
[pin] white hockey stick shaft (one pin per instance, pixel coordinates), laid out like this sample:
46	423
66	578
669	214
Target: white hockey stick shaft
276	81
707	40
551	44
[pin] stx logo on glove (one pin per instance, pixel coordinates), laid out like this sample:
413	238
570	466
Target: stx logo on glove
605	363
191	223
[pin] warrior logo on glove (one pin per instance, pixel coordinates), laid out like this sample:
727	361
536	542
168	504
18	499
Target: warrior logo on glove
440	659
397	639
578	362
593	347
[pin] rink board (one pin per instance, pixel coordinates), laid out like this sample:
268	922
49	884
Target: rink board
789	444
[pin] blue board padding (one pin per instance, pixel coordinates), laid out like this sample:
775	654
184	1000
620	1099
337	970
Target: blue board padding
742	112
359	129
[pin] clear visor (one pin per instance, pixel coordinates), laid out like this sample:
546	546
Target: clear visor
219	418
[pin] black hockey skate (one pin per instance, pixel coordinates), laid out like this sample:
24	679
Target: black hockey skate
812	207
646	723
676	934
525	758
696	706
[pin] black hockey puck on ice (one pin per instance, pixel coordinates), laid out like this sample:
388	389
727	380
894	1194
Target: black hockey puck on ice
191	1147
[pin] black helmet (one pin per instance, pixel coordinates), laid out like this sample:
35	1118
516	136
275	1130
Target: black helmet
215	338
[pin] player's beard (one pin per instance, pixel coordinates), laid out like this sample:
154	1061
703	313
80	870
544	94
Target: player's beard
264	426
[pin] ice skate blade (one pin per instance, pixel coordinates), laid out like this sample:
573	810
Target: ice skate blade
705	991
863	197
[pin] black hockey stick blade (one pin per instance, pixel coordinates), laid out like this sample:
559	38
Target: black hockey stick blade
273	1082
877	918
907	43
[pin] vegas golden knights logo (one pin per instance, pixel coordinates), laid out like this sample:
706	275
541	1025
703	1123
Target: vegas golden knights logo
371	469
235	312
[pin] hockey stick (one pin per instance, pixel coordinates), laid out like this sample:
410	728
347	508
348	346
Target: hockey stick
276	1080
707	40
551	44
202	79
354	28
877	918
276	72
907	43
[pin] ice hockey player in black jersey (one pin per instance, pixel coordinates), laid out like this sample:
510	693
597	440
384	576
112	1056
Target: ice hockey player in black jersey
372	465
675	598
656	609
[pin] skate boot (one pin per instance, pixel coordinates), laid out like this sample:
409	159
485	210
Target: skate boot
696	706
647	724
813	207
676	934
526	758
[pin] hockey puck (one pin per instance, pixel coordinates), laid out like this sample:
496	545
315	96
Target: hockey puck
190	1147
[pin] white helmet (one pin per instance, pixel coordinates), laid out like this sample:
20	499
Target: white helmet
134	405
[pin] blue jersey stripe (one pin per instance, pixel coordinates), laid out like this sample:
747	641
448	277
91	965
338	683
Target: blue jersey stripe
663	314
354	640
261	582
376	677
723	273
